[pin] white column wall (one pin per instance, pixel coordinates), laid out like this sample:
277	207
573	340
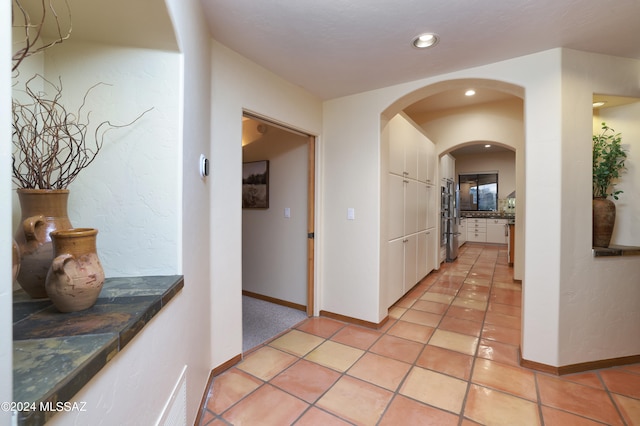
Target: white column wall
237	85
599	297
6	337
136	385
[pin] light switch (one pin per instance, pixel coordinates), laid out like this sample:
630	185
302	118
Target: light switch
351	213
287	212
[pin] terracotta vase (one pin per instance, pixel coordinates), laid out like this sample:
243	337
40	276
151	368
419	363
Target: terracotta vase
75	278
604	218
43	211
16	260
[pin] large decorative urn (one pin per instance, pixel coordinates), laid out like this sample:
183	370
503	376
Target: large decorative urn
42	211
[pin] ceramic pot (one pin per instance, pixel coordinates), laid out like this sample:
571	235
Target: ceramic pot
604	218
43	211
16	260
75	278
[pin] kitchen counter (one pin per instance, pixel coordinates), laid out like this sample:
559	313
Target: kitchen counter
55	354
488	215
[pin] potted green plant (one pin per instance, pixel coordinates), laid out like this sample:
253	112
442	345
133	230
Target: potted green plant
608	164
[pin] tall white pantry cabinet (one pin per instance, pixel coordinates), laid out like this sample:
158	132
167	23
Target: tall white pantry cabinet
412	210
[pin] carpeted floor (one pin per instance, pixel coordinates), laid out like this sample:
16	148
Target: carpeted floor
263	320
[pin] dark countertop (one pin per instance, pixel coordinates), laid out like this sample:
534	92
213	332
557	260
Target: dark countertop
614	250
55	354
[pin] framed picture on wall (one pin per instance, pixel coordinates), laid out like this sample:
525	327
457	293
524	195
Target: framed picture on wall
255	185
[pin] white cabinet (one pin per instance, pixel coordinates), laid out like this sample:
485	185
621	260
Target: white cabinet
411	208
497	231
462	229
395	270
477	230
483	230
432	250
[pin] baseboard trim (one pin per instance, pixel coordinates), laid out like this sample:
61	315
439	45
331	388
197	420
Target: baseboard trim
227	365
281	302
580	367
355	321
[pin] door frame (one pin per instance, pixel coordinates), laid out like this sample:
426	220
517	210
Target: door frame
311	202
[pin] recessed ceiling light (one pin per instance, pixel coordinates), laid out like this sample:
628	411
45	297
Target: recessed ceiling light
598	104
425	40
470	92
487	146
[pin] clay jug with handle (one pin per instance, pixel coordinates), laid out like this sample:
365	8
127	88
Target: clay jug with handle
75	278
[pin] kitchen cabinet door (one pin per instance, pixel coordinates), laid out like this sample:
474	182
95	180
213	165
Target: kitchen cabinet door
422	256
410	206
395	270
410	262
497	231
395	207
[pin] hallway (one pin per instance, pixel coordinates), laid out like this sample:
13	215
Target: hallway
447	356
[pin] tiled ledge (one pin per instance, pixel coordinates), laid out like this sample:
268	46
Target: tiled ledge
56	354
616	251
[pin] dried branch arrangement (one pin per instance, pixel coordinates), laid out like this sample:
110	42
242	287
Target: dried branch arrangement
32	28
52	145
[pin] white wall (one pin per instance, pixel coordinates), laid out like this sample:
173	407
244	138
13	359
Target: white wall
135	386
122	194
6	228
351	134
503	162
239	84
274	248
624	119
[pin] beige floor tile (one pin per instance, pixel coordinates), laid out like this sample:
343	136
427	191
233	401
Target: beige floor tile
421	317
335	355
454	341
490	407
266	362
435	389
297	342
379	370
479	305
356	401
411	331
437	297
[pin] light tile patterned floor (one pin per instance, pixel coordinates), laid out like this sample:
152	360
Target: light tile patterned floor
447	356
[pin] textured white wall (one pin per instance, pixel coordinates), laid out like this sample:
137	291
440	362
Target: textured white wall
274	248
6	227
130	193
135	386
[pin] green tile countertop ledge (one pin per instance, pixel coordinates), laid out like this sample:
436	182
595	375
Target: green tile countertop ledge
613	250
55	354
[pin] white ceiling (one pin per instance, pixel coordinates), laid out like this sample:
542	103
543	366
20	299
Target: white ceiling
334	48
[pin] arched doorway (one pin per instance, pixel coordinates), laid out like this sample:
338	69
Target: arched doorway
452	120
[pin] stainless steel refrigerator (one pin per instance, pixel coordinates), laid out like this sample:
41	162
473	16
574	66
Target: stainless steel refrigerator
449	223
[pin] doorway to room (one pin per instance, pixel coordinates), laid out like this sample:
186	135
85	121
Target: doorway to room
278	214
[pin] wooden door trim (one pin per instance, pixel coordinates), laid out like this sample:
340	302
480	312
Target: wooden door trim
311	194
